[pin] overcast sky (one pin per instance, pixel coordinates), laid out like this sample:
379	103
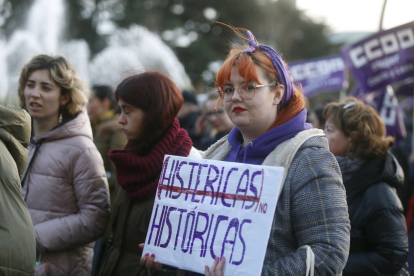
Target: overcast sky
358	15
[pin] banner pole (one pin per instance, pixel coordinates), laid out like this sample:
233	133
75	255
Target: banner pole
412	126
342	94
382	14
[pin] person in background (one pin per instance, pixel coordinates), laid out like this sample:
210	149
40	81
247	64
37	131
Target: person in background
316	118
102	112
64	184
17	237
356	136
189	112
149	104
215	116
270	129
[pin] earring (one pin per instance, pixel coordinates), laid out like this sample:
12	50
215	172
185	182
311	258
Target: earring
276	101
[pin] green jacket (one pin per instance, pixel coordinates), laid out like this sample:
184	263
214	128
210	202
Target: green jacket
17	237
115	140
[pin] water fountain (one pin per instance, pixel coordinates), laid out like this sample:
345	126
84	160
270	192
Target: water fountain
129	51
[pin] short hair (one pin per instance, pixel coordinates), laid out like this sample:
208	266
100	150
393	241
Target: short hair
103	92
247	65
189	97
64	75
211	96
319	114
362	123
159	97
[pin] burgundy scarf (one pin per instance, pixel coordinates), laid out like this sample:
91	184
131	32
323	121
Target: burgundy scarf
139	175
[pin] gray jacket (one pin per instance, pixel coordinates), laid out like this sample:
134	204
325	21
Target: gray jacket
311	210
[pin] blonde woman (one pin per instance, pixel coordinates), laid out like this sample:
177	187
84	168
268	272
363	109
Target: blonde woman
64	184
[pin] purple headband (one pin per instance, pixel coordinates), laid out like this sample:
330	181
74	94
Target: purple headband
278	63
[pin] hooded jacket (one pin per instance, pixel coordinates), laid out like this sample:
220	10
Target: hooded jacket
379	244
17	239
66	191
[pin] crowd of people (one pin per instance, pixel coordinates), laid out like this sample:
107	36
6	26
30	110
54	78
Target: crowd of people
79	171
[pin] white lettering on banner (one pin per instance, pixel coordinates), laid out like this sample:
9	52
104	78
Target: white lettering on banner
388	111
373	49
316	68
372	81
404	68
389	44
385	63
406	38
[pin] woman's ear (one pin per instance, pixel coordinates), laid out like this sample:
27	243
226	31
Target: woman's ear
280	90
64	99
353	136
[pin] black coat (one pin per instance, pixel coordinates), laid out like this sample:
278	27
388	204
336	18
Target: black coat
379	244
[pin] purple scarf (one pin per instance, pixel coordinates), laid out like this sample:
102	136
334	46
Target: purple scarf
256	151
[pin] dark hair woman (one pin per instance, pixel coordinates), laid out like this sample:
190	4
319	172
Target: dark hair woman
356	135
270	129
149	103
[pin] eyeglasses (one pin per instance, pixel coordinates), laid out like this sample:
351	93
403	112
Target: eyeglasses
215	113
247	92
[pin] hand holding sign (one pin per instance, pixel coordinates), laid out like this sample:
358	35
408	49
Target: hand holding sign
206	209
148	260
217	268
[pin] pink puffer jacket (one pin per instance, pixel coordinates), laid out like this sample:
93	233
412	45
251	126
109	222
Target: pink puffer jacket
66	191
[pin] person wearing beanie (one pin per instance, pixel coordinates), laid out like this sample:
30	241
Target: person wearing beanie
188	114
149	103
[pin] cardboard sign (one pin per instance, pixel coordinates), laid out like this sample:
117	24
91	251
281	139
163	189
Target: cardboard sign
320	74
207	208
383	58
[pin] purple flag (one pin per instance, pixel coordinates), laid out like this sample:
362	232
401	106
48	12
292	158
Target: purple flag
357	92
382	58
407	103
406	88
318	75
386	104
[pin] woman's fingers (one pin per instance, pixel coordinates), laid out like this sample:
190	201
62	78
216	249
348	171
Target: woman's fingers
144	259
220	266
216	268
158	265
213	267
150	261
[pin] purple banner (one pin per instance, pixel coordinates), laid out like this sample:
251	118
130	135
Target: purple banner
382	58
386	104
407	103
357	92
318	75
406	88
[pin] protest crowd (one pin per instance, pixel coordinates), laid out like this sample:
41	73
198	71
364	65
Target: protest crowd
145	179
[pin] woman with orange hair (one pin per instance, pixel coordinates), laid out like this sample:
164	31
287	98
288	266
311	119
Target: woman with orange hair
311	219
